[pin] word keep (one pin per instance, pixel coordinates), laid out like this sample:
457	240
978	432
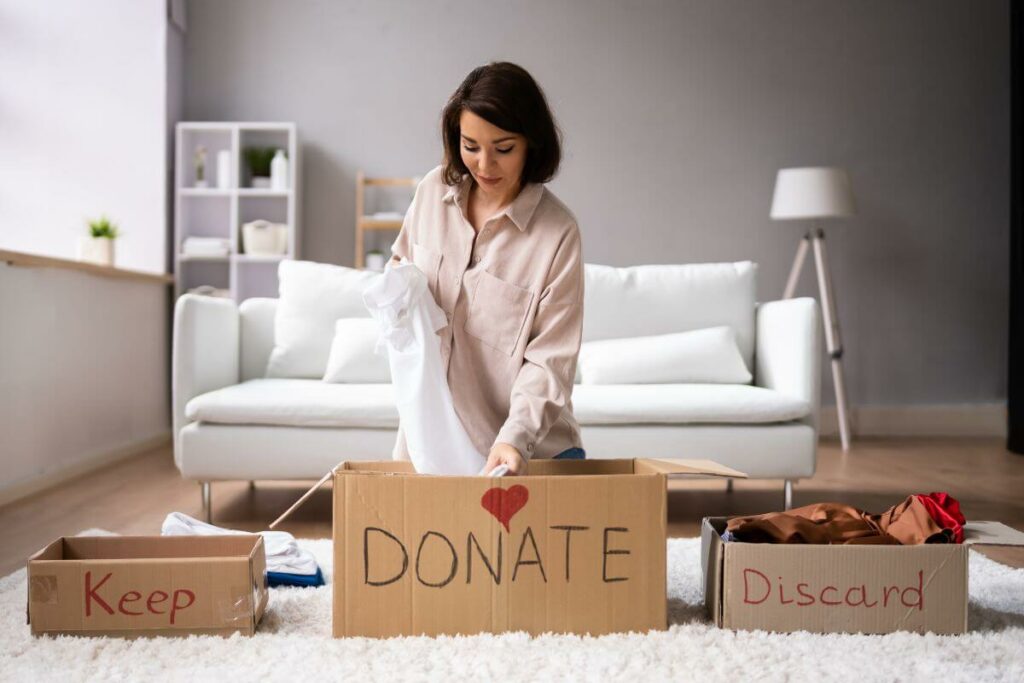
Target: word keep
130	603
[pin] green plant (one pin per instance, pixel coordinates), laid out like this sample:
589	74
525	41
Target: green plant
102	227
258	159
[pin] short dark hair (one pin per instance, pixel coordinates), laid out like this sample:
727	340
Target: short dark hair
505	95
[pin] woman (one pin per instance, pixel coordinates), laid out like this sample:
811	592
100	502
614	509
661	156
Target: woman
502	256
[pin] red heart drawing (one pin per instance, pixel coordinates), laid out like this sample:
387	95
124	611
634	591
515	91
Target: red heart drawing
504	503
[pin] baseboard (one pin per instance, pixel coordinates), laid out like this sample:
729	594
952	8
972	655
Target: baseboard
52	478
973	419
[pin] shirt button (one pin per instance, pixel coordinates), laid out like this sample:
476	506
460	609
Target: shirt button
529	447
476	260
457	279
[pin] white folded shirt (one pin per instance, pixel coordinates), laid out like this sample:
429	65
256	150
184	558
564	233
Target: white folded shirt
283	554
205	246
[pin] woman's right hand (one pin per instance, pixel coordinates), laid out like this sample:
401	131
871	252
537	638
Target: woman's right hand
505	454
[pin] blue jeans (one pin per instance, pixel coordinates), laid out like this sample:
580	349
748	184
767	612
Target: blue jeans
572	454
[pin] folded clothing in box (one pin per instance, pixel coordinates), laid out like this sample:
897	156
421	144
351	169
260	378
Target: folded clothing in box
287	563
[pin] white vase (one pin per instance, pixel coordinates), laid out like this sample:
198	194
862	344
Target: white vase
224	169
98	250
279	171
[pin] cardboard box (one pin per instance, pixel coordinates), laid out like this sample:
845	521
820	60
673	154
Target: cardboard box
572	547
841	588
148	585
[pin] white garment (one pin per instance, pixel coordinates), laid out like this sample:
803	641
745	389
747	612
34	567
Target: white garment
409	318
283	553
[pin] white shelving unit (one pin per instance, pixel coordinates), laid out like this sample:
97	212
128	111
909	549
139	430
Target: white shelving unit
216	212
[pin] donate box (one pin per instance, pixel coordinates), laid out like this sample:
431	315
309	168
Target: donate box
572	547
148	585
841	588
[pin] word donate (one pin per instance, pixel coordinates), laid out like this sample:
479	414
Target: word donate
387	558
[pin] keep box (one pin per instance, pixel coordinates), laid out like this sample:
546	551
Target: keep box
841	588
148	585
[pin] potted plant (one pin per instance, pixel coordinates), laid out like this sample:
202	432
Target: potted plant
199	160
258	160
98	246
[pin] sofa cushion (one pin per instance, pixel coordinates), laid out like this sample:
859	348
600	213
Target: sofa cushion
312	403
353	358
297	403
312	297
596	404
707	356
660	299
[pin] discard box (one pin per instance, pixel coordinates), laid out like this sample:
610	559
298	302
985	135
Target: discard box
841	588
573	547
148	585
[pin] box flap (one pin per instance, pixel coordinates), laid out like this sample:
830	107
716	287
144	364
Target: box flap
680	466
711	569
305	496
991	533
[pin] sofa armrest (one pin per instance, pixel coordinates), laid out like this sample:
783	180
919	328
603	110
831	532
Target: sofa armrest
787	355
204	354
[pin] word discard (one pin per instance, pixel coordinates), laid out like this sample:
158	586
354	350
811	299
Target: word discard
759	589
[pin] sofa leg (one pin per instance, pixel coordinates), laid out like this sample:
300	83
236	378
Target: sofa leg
787	491
204	488
252	485
728	485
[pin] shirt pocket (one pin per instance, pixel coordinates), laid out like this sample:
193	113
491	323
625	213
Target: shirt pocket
429	263
498	313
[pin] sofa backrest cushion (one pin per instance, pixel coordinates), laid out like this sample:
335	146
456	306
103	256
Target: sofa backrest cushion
312	297
256	338
708	356
660	299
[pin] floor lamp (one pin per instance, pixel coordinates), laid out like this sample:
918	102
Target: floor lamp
814	194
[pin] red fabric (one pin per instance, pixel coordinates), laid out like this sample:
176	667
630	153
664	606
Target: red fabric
945	510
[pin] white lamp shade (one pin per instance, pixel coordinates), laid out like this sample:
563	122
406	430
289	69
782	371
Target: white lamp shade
819	192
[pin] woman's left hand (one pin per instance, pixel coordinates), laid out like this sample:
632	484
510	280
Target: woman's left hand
506	454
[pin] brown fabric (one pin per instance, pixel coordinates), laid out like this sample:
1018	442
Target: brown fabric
836	524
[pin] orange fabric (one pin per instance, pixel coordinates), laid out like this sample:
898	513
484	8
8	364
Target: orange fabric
908	523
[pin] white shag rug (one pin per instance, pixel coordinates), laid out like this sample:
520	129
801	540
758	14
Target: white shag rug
294	643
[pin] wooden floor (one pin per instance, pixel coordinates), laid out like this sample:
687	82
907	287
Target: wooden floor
134	496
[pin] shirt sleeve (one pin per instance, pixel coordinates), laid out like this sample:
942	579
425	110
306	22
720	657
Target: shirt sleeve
543	387
402	246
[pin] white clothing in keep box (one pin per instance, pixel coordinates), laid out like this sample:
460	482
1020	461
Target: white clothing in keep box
409	318
283	553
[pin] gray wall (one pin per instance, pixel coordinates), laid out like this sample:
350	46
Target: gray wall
676	116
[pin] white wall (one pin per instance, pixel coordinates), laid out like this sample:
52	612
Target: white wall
83	369
83	121
677	114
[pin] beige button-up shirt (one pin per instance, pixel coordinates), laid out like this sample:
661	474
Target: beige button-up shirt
513	296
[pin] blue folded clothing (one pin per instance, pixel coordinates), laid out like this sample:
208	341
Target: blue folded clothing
275	579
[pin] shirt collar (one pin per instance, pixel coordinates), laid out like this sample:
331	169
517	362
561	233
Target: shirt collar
520	211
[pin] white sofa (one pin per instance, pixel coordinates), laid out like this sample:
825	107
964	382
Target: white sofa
231	423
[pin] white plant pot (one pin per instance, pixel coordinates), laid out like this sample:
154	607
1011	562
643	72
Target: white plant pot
261	181
98	250
375	262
